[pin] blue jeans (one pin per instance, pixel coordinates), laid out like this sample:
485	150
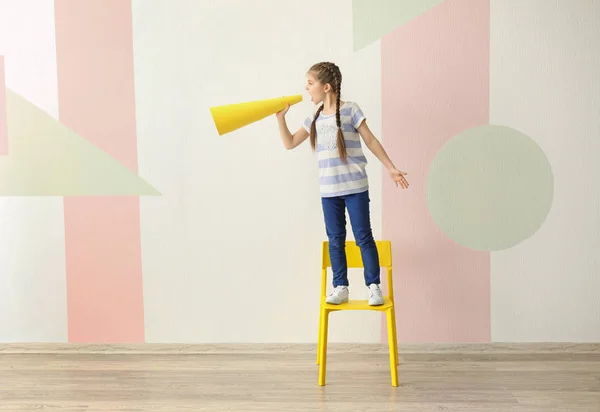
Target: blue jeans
334	211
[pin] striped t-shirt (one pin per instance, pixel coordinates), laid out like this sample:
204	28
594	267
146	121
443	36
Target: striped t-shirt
336	177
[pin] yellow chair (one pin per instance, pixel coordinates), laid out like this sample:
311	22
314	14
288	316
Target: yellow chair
354	259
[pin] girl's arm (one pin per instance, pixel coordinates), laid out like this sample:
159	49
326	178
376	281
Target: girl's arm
374	145
377	149
290	140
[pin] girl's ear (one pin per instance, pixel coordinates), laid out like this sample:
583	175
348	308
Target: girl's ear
327	88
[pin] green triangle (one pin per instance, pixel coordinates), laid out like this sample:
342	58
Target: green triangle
374	19
46	158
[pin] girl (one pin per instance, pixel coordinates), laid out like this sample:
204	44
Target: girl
334	134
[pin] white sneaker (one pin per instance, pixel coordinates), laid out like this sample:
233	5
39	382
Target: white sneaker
339	295
375	296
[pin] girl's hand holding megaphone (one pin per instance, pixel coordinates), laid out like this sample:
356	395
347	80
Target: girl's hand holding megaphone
281	114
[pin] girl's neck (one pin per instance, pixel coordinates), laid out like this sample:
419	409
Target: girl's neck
329	104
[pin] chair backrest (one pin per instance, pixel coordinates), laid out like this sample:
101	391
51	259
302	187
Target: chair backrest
354	257
354	260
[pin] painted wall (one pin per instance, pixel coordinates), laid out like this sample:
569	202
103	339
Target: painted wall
544	82
124	217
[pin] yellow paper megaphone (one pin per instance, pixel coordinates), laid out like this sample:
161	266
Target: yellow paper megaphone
233	116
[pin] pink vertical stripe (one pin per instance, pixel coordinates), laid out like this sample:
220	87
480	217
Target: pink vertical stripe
96	99
435	84
3	125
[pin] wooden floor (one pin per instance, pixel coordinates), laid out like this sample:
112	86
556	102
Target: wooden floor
288	382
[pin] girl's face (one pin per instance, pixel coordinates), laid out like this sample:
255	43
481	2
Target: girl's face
316	89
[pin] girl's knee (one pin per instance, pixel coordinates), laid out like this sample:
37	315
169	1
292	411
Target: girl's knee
337	242
366	241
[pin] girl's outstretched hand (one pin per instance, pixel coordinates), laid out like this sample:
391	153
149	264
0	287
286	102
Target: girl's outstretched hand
398	178
281	114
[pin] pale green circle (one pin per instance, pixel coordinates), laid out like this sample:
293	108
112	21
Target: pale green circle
490	188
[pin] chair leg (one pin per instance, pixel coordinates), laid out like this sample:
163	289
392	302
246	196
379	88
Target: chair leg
323	350
320	339
395	336
392	348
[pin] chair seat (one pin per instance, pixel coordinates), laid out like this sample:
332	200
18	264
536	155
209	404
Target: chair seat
358	305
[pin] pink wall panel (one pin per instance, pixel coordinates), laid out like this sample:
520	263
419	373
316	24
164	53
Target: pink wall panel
96	99
3	125
435	77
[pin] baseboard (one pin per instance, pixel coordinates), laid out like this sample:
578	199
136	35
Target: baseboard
256	348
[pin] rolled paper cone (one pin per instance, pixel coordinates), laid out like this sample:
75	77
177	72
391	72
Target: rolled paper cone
234	116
